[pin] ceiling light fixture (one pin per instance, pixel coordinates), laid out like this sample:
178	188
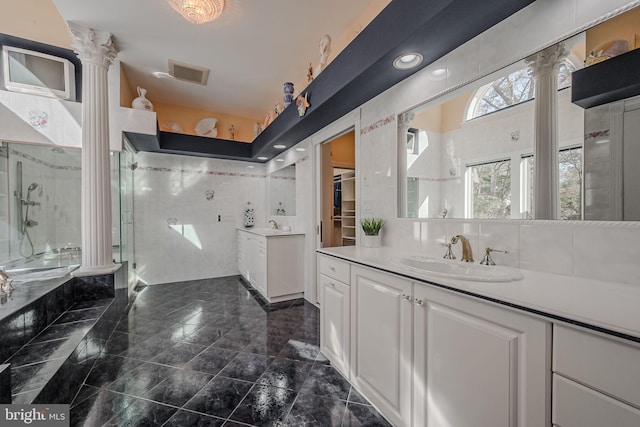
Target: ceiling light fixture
198	11
280	146
439	74
279	160
162	75
263	158
407	61
301	149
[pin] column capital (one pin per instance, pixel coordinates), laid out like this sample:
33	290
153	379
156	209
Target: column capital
547	60
405	119
95	47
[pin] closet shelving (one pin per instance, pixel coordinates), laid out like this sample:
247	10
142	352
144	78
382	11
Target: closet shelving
348	208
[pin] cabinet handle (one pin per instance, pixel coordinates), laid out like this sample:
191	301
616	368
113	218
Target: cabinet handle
419	301
406	297
332	268
333	285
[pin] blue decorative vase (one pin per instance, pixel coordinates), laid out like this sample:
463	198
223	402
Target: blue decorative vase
288	94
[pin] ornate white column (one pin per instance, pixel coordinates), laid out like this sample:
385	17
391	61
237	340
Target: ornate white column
96	51
544	70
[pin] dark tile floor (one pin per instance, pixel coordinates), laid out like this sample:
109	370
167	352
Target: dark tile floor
212	353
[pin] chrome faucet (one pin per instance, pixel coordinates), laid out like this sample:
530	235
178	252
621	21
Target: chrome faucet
274	223
467	253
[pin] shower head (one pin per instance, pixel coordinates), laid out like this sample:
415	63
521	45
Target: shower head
32	187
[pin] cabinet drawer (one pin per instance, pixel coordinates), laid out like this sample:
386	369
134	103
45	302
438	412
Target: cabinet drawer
575	405
607	365
335	269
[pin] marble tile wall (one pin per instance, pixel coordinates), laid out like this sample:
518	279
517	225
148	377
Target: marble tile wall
187	210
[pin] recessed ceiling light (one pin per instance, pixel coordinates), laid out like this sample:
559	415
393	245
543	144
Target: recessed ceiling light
279	160
263	158
279	146
407	61
250	167
301	149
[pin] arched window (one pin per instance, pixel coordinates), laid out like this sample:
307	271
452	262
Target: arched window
511	89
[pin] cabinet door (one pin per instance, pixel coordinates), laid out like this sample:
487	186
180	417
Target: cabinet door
261	266
335	300
381	334
243	254
477	364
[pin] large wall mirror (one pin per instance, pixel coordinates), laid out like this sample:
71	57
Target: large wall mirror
473	152
282	191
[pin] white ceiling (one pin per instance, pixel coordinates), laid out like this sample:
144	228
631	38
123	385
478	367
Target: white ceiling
252	49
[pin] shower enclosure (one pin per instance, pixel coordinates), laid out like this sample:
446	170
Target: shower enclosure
40	206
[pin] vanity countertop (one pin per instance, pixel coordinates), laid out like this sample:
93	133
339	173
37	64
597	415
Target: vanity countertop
612	307
269	232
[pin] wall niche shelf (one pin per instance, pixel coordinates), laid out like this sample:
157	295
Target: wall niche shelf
608	81
360	72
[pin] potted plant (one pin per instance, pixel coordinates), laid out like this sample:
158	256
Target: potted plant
371	227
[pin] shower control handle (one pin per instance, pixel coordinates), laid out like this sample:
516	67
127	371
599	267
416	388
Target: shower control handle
30	223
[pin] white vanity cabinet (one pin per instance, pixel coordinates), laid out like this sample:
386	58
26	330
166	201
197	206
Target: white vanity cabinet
596	380
381	341
272	263
335	304
478	364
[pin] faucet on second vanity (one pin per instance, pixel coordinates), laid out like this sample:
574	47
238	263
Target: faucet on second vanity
467	253
274	223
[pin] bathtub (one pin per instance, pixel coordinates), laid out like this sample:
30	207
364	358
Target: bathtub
49	265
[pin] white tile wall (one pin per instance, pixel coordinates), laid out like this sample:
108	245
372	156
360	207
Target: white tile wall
607	253
547	247
200	246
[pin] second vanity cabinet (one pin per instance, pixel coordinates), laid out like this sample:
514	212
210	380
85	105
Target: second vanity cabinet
272	263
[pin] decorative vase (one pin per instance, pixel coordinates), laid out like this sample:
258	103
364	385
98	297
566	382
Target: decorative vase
372	241
249	216
288	94
141	102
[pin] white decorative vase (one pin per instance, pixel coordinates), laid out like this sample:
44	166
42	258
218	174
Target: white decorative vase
141	102
372	241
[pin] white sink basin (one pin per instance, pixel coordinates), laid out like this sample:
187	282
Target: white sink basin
462	270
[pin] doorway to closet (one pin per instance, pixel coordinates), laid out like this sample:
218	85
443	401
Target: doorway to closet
338	199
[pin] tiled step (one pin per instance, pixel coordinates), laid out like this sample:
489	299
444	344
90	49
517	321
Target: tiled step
51	367
52	331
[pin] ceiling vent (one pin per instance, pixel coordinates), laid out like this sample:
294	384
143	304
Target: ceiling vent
188	73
